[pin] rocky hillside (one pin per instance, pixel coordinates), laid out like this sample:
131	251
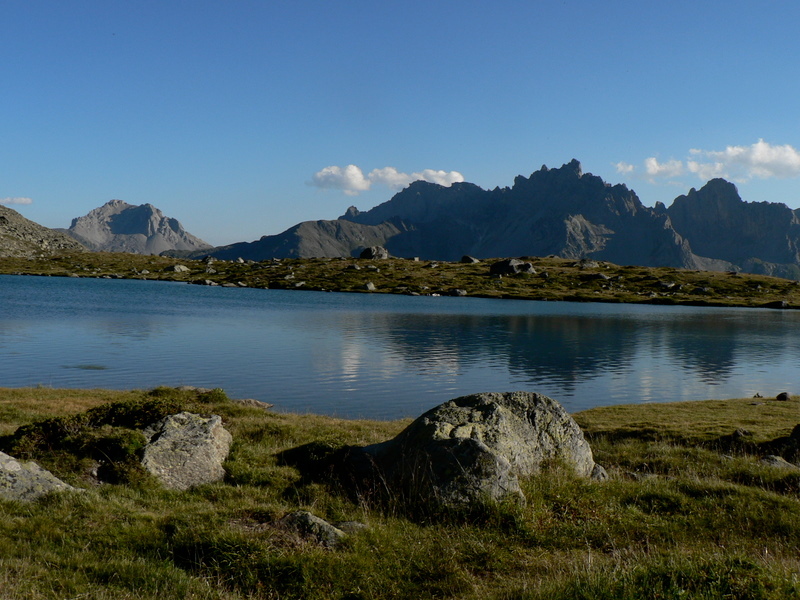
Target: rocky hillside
20	237
121	227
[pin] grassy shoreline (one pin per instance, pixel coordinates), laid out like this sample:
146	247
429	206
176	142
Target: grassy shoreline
555	278
682	516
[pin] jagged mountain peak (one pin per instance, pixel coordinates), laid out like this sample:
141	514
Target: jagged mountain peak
117	226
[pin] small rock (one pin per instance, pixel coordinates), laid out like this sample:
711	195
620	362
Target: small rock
178	269
313	528
369	286
772	460
586	264
252	402
351	526
469	260
598	473
25	482
783	396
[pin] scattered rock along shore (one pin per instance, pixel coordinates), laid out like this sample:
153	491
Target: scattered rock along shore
531	278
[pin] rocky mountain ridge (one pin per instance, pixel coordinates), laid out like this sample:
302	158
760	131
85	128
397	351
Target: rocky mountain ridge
562	212
121	227
20	237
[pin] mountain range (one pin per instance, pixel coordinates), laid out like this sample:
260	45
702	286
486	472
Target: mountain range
560	211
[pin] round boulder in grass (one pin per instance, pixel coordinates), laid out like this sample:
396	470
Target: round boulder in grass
476	448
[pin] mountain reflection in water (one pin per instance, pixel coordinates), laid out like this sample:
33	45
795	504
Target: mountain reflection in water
383	356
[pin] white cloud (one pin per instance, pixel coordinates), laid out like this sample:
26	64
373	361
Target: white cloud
738	163
391	177
352	181
349	179
445	178
762	160
671	168
624	168
706	171
16	201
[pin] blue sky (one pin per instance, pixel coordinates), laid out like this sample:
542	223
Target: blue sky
242	118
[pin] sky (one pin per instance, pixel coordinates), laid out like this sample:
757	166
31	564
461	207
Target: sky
242	118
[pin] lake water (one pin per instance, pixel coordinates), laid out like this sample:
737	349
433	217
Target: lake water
383	356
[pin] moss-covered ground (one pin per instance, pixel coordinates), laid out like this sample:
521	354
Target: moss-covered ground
681	516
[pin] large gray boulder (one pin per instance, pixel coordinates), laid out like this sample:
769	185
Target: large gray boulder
476	448
25	482
374	253
186	449
511	266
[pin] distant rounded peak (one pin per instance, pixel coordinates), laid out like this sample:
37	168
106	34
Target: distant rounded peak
720	183
717	188
116	202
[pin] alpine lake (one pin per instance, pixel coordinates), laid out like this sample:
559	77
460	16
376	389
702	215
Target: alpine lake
383	356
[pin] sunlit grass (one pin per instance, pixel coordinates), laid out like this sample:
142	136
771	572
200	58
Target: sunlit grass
677	518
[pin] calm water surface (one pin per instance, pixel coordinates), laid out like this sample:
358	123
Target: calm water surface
382	356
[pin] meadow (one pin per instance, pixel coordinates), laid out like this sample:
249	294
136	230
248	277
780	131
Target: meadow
689	511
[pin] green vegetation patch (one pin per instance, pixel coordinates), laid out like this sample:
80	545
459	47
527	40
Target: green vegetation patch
104	442
679	517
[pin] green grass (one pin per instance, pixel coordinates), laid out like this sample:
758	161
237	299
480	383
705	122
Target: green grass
555	278
677	518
